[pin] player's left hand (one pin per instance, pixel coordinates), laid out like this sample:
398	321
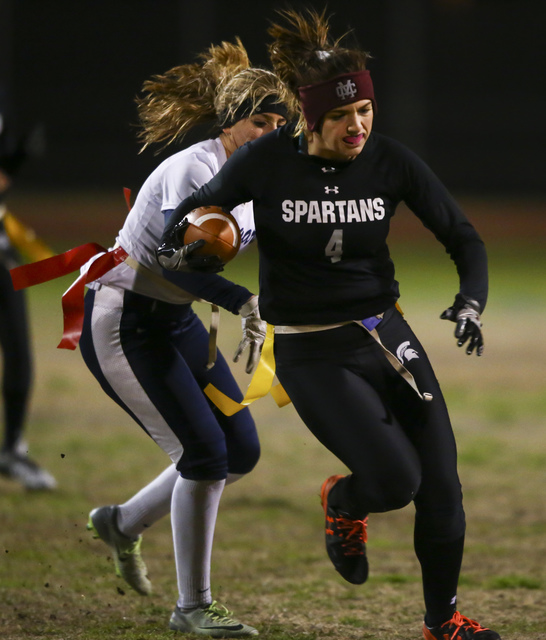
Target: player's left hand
173	256
254	329
466	313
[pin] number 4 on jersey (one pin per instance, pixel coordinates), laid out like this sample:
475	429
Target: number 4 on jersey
334	248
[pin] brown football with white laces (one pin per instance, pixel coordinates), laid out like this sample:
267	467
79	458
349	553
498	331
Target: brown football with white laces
219	230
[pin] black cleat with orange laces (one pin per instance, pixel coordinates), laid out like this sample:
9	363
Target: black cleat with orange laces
345	539
459	628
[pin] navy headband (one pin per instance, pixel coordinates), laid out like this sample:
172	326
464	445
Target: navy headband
270	104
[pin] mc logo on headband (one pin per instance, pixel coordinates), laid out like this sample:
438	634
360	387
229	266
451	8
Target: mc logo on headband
318	99
346	90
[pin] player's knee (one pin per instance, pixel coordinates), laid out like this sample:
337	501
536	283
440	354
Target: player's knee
204	461
400	489
250	456
243	451
387	496
400	496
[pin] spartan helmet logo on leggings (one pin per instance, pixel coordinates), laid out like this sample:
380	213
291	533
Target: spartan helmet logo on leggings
404	351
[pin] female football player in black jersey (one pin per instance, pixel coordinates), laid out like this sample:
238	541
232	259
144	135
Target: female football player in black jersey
324	192
15	339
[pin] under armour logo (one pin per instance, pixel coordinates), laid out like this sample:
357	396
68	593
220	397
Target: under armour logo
346	90
331	189
404	351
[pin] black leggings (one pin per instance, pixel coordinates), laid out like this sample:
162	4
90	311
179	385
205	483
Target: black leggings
397	447
17	372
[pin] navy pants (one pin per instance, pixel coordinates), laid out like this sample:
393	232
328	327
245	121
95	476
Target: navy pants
150	357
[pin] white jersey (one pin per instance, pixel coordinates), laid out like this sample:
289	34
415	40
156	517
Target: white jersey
172	181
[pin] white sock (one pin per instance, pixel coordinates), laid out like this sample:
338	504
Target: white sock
153	502
149	505
193	517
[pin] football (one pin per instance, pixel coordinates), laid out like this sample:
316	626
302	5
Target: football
219	230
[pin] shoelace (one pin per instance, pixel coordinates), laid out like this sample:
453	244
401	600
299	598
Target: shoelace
355	533
462	622
132	549
217	612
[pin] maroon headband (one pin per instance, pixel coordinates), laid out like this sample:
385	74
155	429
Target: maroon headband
317	99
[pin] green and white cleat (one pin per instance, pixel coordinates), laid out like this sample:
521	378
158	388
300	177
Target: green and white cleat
213	620
127	557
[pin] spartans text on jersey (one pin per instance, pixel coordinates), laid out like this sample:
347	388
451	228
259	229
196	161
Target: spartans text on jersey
333	211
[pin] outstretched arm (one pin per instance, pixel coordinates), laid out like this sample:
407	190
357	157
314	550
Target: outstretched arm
439	212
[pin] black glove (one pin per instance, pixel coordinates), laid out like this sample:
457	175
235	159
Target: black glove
466	313
173	256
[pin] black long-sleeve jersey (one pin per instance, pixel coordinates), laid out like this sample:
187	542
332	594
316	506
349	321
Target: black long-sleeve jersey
322	227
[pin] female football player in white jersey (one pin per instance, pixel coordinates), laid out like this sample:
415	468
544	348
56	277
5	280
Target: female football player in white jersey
324	192
149	350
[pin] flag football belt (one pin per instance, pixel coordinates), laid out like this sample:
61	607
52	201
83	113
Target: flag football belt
105	260
73	299
262	380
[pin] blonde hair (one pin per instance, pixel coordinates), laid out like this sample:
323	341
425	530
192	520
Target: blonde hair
304	53
246	90
208	92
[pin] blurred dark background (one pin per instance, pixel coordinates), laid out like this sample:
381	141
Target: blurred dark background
463	82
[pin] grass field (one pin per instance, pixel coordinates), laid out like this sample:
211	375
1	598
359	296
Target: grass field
269	563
